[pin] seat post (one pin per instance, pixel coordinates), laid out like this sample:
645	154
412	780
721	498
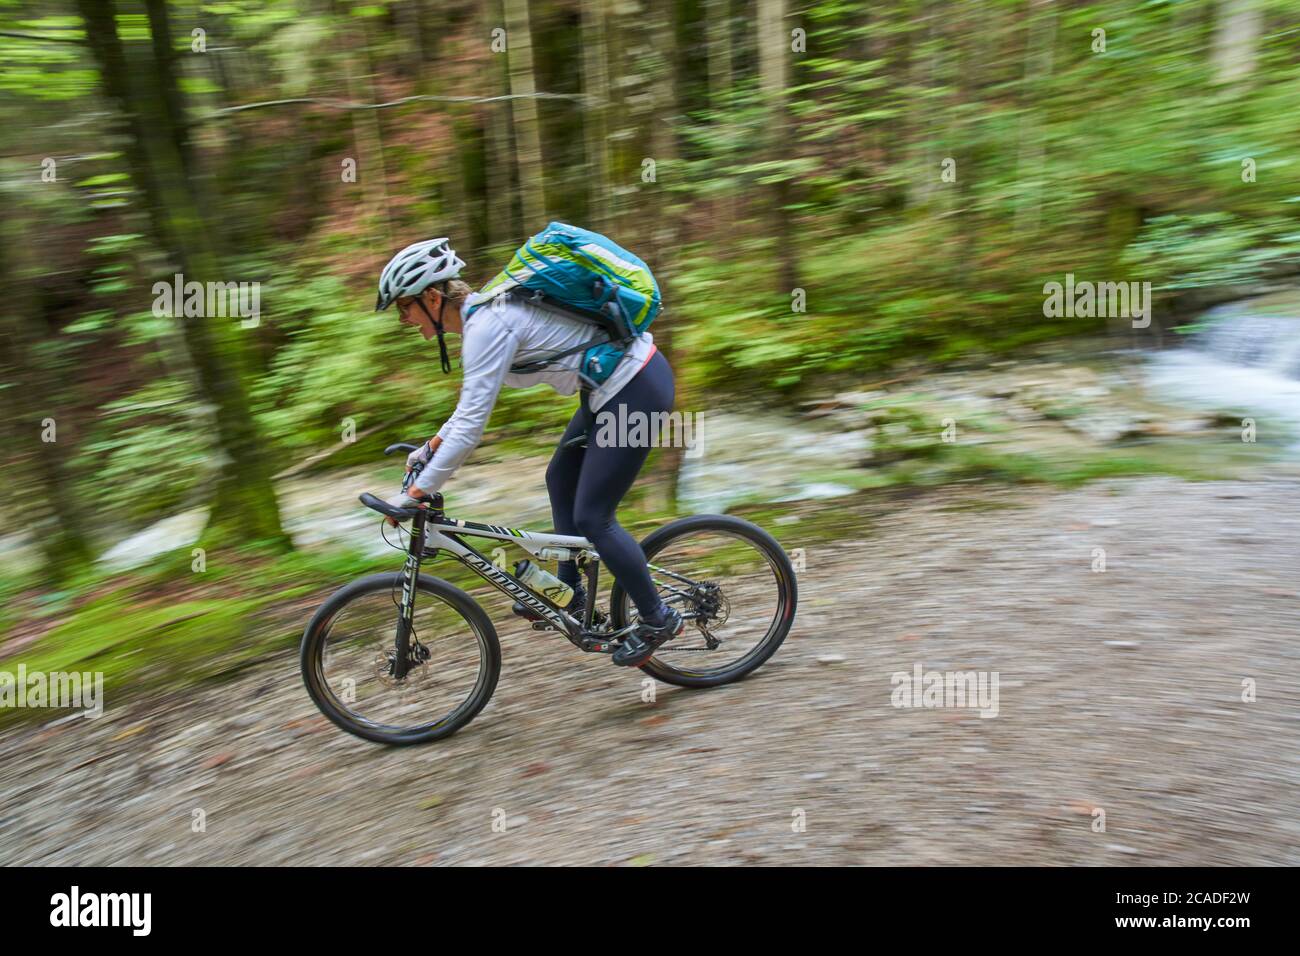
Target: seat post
593	577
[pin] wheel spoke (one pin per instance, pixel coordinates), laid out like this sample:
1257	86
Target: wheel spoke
446	664
730	589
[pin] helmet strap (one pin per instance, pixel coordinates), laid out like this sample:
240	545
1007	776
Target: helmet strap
437	327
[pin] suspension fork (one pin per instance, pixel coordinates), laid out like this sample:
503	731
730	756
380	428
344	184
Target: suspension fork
406	610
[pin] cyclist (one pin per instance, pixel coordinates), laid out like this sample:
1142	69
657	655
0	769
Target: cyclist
585	484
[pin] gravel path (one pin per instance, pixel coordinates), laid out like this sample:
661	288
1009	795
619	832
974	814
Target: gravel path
1120	699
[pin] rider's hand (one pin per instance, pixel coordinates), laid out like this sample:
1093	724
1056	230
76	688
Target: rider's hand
422	455
406	501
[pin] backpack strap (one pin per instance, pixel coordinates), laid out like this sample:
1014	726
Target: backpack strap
536	365
539	300
608	318
608	322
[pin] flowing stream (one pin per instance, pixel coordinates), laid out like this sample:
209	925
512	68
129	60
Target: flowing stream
1244	359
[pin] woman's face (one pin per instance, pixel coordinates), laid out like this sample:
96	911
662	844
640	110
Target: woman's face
411	314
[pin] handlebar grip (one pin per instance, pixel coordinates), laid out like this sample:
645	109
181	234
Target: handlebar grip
384	508
400	446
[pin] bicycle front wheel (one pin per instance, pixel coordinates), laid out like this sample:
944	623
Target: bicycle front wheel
347	660
735	586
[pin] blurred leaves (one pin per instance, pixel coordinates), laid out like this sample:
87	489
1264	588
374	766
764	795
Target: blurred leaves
1117	165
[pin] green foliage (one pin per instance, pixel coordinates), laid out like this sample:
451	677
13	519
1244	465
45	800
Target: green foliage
871	301
1117	165
148	453
1214	249
143	646
337	364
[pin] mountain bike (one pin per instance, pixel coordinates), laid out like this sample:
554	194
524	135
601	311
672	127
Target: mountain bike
406	658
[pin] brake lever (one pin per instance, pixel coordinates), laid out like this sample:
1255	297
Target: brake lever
411	476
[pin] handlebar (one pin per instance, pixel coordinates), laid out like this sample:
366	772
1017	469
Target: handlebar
408	448
383	507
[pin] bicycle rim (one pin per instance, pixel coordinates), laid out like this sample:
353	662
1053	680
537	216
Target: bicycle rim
732	596
449	670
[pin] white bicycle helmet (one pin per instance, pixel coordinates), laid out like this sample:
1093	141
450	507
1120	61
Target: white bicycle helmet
415	268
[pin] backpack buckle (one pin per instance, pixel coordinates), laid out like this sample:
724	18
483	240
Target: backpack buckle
602	292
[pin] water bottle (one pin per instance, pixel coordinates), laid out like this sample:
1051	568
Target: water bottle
556	591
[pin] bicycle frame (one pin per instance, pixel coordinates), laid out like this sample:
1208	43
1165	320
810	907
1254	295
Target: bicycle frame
433	532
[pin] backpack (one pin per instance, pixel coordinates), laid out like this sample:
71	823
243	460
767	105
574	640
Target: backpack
580	274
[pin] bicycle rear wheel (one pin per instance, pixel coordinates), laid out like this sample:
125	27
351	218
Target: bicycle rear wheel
347	660
735	586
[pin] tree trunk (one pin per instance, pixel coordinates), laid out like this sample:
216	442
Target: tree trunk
30	399
1236	39
1030	166
626	140
773	50
164	58
595	80
922	50
408	22
718	13
367	136
244	505
498	208
528	141
963	62
664	214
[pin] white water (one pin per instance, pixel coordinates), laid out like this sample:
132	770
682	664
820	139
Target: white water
1247	362
765	456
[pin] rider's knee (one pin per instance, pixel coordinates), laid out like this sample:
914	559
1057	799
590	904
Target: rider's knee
591	524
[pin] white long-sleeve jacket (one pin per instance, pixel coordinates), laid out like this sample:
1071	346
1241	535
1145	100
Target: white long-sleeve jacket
506	333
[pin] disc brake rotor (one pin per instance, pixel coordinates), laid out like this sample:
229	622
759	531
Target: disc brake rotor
386	663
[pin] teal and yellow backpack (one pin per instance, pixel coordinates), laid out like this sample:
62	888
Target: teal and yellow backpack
584	275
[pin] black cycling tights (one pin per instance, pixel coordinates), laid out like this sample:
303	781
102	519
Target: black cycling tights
586	484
